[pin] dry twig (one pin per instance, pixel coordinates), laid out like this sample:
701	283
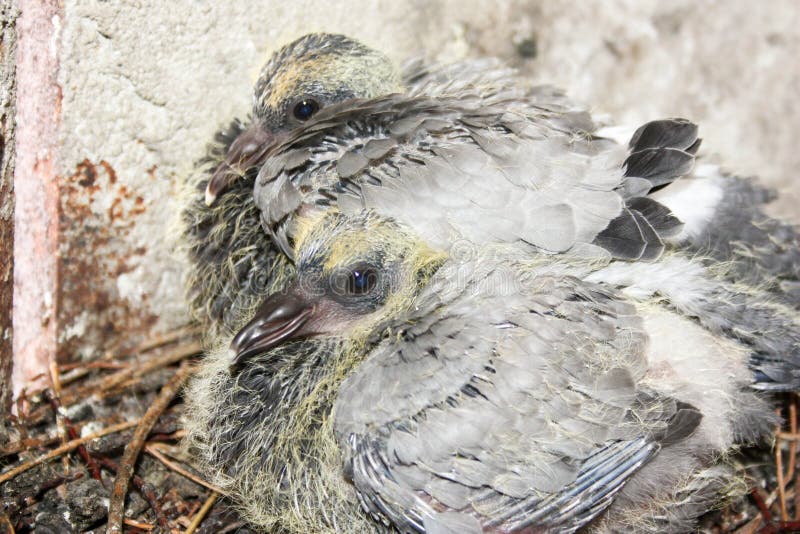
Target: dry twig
138	524
779	474
153	451
167	338
5	525
165	396
198	518
64	421
109	382
146	490
55	453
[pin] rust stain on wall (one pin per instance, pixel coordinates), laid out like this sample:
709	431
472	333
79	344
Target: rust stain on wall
97	215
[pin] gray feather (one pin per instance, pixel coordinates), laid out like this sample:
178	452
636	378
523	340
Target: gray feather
667	133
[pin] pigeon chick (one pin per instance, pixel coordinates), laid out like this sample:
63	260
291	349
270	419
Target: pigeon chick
394	387
232	262
452	162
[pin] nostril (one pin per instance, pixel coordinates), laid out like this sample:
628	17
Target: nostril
286	310
249	149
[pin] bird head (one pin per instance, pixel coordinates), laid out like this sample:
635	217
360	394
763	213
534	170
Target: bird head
314	72
355	273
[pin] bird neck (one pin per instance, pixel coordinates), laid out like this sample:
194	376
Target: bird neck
278	429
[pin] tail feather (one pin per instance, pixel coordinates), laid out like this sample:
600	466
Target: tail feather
658	215
625	239
661	166
661	152
666	133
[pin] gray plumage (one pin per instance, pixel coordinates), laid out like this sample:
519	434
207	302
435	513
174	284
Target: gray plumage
502	393
452	167
581	345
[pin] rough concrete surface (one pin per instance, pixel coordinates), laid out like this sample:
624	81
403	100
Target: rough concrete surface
145	84
8	46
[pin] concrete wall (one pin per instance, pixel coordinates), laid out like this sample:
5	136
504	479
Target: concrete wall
8	46
144	84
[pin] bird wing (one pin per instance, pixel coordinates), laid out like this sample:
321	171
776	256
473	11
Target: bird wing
501	170
501	408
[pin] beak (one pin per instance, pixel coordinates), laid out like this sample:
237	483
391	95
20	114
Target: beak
280	318
247	151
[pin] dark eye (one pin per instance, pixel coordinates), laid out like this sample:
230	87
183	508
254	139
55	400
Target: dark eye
304	109
361	281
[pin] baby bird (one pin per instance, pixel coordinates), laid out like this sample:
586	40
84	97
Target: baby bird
320	73
391	386
455	303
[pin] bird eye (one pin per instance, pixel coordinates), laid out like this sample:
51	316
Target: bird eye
361	281
305	109
357	280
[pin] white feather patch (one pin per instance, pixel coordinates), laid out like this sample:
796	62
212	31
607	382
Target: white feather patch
620	134
689	363
680	280
693	199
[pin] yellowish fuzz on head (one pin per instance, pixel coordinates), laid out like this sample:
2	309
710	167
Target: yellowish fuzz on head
345	243
339	241
371	76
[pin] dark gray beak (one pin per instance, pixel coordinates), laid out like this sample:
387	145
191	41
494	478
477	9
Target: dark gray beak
247	151
280	318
